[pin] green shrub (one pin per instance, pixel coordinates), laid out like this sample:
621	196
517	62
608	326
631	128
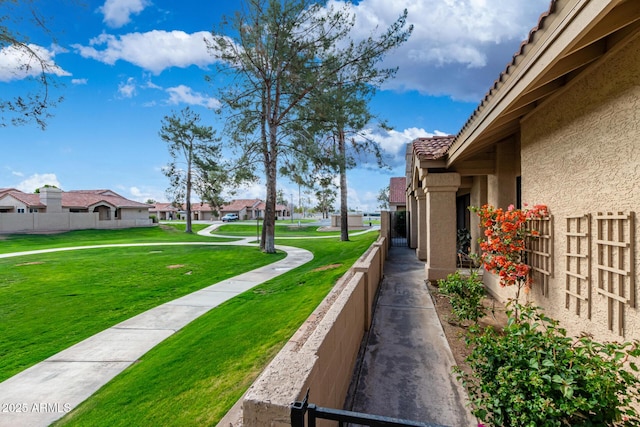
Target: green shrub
465	294
534	375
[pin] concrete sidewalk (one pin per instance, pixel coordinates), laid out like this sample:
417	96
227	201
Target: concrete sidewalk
48	390
405	363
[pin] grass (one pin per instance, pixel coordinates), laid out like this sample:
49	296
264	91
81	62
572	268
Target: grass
283	230
194	377
162	233
51	301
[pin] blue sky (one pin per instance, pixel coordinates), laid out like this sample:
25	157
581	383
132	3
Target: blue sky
125	64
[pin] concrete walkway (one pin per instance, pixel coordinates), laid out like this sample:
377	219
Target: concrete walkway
406	361
46	391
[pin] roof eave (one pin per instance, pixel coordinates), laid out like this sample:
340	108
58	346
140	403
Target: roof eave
553	48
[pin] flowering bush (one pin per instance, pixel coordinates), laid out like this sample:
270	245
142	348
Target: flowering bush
504	245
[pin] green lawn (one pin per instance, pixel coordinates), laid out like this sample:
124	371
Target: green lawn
51	301
194	377
162	233
283	230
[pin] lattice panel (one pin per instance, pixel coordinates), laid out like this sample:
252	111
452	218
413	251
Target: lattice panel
539	252
615	265
578	264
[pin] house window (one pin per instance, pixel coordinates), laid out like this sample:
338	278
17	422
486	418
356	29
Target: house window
33	210
20	210
615	265
539	252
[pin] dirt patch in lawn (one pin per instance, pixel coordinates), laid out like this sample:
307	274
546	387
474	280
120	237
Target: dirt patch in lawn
456	332
29	263
327	267
175	266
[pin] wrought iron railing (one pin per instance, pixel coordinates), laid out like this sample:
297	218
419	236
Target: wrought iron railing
301	408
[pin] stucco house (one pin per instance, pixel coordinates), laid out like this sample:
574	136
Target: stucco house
164	211
559	127
251	209
56	210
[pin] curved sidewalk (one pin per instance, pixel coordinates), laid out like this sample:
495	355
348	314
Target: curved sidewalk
48	390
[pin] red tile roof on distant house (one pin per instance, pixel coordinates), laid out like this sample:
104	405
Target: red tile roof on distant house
86	198
262	205
397	191
239	204
201	207
32	200
163	207
432	148
78	199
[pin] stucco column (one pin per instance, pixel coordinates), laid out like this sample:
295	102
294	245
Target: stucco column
501	187
440	189
412	207
478	199
421	224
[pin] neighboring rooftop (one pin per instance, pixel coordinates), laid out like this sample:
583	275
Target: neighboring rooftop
397	191
433	148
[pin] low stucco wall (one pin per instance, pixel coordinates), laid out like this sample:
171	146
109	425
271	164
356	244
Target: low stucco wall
353	220
50	222
322	353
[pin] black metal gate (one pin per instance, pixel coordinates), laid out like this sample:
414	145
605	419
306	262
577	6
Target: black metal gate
313	413
399	228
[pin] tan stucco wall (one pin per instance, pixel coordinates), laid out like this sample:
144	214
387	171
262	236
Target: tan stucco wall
580	155
321	355
48	222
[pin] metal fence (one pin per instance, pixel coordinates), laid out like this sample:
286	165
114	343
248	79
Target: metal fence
301	408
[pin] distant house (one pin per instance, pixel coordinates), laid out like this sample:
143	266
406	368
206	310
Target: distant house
398	194
244	208
251	209
56	210
559	127
164	211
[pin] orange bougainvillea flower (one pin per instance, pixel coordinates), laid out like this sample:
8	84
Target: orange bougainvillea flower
503	248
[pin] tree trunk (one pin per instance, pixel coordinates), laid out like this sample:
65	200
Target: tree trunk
344	213
188	200
267	244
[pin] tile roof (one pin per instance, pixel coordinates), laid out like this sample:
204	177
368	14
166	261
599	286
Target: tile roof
79	199
503	75
432	148
397	191
86	198
32	200
165	207
262	206
239	204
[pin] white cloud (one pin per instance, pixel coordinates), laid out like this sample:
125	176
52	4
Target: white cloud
127	89
154	51
35	181
118	12
79	81
184	94
17	63
458	47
